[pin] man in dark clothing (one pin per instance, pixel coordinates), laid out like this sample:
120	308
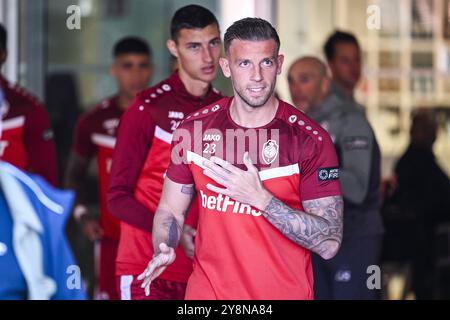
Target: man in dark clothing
424	193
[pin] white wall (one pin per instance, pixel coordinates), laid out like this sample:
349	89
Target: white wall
303	27
9	17
233	10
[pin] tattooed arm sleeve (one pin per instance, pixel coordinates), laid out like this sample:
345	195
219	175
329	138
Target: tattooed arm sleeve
171	213
318	229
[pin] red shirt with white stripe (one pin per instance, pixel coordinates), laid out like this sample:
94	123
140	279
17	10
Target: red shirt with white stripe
96	136
141	158
27	139
238	253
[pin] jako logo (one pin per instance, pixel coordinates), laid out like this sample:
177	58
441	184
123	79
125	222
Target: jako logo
212	137
221	203
111	125
176	115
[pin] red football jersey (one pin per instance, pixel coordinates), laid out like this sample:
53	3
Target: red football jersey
27	138
159	109
238	253
96	136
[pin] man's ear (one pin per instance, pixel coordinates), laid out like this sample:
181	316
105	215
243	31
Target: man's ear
172	46
225	66
280	60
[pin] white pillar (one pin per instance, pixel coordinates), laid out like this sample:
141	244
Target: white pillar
233	10
9	17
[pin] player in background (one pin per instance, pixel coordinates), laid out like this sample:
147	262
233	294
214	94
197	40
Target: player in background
27	140
266	180
95	137
343	55
142	154
34	252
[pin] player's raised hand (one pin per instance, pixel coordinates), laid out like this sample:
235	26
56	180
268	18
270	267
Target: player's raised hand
156	266
243	186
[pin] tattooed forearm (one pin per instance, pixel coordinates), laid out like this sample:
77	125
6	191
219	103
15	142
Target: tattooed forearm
166	230
171	213
318	229
174	234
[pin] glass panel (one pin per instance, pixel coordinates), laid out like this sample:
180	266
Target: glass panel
446	27
422	77
422	18
357	18
390	22
389	67
86	53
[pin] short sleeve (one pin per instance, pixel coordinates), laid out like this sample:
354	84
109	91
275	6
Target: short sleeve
179	171
320	171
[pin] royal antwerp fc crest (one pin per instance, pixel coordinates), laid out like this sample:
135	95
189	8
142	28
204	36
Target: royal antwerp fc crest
270	151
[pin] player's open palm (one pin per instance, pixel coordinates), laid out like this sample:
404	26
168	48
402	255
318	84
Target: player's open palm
156	266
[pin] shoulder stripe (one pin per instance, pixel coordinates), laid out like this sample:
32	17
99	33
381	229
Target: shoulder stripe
13	123
50	204
204	112
268	174
103	140
163	135
279	172
195	158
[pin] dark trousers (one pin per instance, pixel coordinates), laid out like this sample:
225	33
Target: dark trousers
345	276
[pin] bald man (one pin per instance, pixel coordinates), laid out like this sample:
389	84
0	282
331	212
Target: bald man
345	276
308	83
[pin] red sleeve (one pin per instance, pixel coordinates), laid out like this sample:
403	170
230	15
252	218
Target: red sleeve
134	140
83	145
179	171
40	146
320	171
